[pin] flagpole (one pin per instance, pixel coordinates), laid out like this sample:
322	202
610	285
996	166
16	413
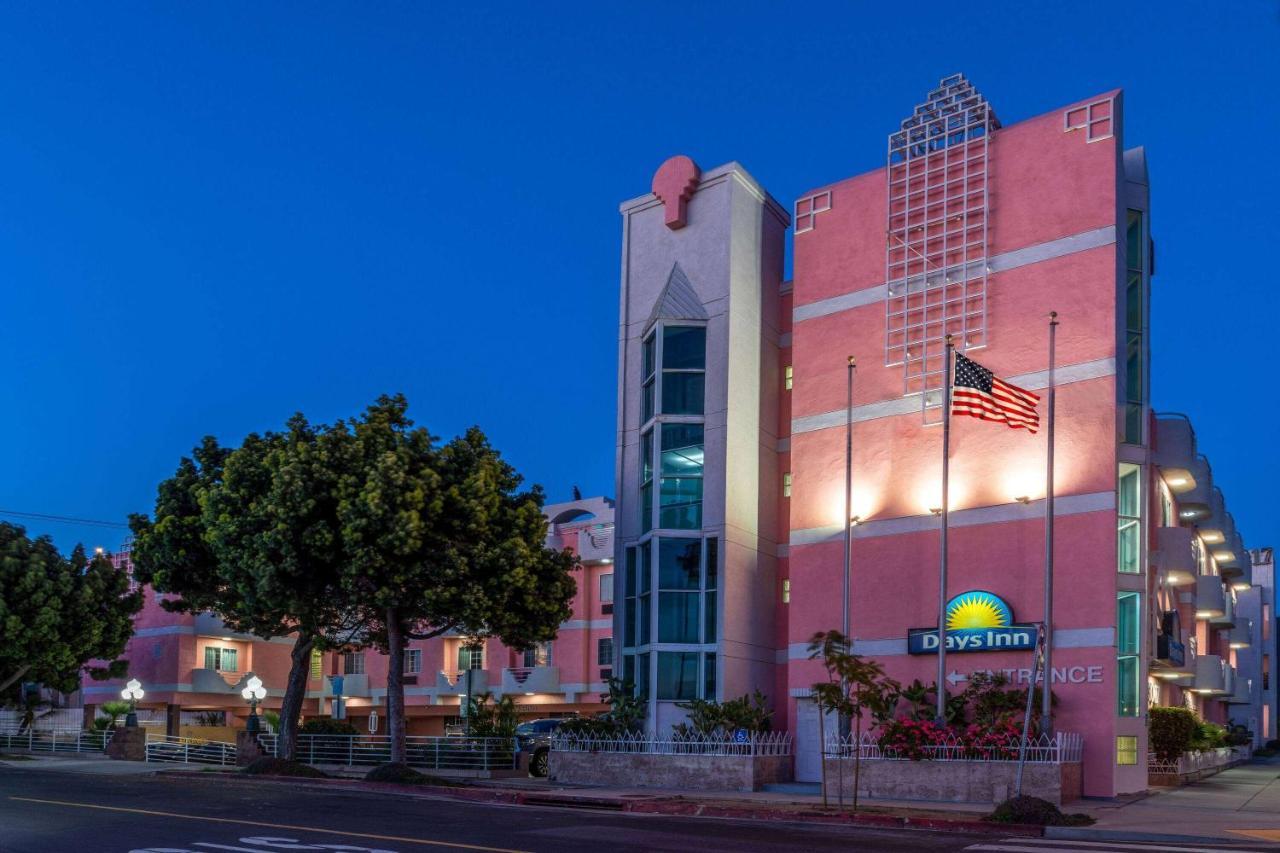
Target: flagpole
848	498
942	569
1046	693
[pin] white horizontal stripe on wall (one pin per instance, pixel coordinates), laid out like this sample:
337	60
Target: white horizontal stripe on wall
580	624
1065	375
1063	505
1063	638
1025	256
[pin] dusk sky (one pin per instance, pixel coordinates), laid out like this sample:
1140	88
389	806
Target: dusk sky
213	215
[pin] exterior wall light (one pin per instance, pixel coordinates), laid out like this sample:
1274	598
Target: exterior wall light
253	693
132	693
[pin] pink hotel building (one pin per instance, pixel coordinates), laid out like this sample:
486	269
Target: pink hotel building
190	665
732	419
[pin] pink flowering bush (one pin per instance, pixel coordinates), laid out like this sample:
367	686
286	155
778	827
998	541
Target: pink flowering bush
918	740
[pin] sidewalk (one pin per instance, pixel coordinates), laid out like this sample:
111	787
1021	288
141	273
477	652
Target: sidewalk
92	764
1237	805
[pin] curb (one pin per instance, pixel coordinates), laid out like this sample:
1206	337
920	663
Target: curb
1077	833
671	807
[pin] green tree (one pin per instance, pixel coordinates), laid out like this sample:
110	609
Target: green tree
252	536
59	614
854	684
440	539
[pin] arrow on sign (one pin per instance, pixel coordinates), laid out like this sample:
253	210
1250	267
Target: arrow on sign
955	678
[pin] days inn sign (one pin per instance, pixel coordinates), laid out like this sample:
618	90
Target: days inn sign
977	621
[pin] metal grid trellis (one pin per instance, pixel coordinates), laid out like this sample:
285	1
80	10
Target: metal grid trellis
936	234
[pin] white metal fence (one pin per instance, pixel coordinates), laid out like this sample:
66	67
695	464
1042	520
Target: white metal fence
1195	762
60	719
55	740
432	753
1058	748
769	743
186	750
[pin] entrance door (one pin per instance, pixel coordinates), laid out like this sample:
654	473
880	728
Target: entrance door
808	768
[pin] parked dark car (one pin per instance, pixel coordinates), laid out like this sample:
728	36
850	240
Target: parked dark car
534	737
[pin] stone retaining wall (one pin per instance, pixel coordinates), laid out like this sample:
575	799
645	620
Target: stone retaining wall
955	781
688	772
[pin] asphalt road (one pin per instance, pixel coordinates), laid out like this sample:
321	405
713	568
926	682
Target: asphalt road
52	812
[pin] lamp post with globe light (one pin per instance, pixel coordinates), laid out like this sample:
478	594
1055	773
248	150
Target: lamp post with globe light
253	693
133	693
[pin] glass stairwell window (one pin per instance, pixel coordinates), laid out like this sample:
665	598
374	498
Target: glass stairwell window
1128	644
1129	519
684	364
681	486
1135	322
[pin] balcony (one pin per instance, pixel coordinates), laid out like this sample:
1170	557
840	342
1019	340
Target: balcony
212	681
1228	617
208	625
595	544
531	679
1176	555
1242	692
1175	451
455	683
1211	675
352	685
1171	653
1211	598
1239	636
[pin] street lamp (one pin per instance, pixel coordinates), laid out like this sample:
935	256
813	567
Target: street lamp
133	693
253	693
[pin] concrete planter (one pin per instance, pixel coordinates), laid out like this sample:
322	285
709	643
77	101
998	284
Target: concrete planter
685	772
1192	766
954	781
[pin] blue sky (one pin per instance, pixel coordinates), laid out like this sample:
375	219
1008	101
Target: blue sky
215	214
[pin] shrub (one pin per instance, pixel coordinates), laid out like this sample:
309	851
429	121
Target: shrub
269	766
1171	731
1273	744
625	715
708	717
911	738
488	718
1209	736
1036	812
403	774
327	726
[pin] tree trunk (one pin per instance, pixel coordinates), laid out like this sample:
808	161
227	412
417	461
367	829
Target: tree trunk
857	759
295	692
395	685
8	682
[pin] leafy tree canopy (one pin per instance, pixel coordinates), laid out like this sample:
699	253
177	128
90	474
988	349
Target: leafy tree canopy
58	614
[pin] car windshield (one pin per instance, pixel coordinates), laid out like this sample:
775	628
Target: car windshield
525	729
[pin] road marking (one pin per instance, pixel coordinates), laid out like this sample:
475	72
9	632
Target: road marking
1263	834
312	829
1110	845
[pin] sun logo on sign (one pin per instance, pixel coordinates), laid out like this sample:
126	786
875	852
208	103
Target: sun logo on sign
976	610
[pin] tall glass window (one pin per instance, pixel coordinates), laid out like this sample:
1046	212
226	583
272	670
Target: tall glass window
1129	519
650	361
684	364
1128	644
678	675
709	624
629	592
681	492
679	580
1135	367
645	557
646	481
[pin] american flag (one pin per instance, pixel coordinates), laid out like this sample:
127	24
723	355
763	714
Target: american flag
979	393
